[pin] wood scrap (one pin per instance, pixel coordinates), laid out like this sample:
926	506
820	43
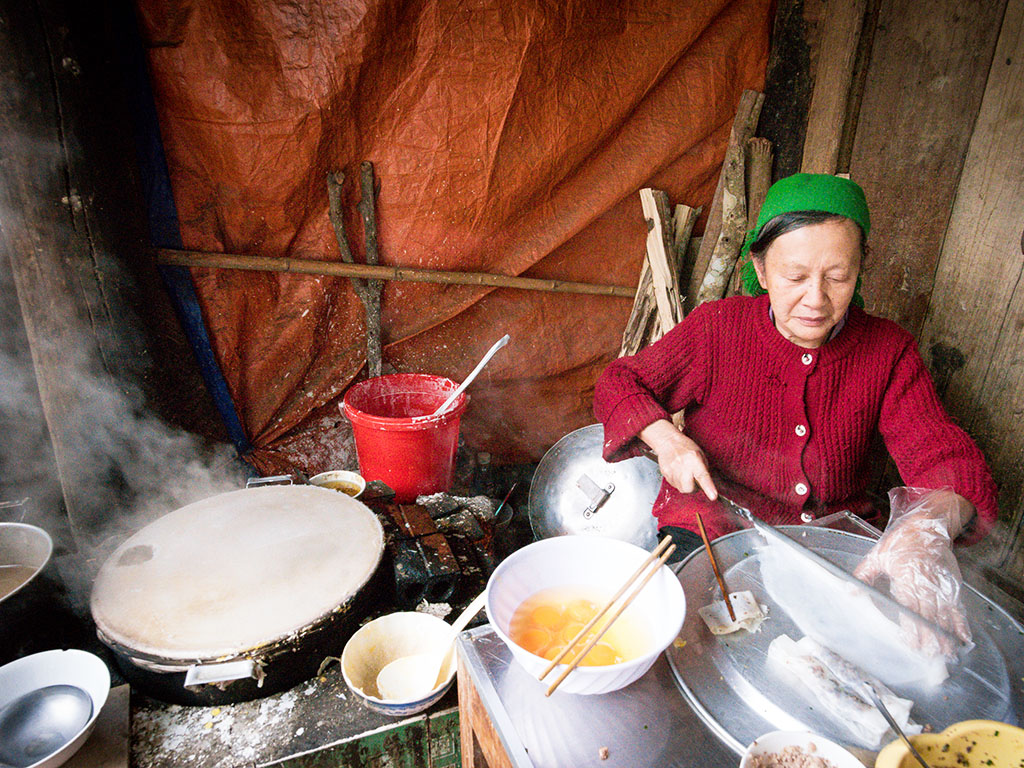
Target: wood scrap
744	124
758	169
683	220
644	325
644	317
661	258
734	225
368	291
368	210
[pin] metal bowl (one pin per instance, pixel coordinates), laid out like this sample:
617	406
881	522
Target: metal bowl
575	491
73	667
24	552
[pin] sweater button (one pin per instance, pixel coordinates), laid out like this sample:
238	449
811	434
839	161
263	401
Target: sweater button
806	517
801	430
807	358
800	488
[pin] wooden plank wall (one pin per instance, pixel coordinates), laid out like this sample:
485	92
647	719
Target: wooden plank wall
926	76
973	332
932	128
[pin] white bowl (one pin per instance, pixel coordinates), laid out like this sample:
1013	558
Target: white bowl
594	562
776	741
39	670
379	642
354	479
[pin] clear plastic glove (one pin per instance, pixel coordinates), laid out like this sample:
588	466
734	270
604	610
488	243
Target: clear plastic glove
915	553
682	462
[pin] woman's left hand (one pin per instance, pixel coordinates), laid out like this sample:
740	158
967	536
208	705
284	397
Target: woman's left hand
915	553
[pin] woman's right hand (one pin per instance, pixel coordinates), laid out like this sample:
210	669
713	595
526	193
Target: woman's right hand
681	460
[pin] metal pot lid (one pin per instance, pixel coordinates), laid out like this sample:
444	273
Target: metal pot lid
235	572
575	491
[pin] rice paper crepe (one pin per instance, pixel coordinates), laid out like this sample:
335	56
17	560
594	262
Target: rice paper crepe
845	620
834	684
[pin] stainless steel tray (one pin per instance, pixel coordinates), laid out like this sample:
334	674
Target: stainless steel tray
725	679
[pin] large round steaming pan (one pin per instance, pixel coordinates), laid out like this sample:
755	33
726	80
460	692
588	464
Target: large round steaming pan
268	577
575	491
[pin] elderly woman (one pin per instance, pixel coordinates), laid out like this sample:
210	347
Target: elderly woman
783	393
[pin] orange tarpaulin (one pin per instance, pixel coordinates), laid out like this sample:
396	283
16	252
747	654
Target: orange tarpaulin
507	137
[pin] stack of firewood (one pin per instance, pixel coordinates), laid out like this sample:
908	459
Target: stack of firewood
671	283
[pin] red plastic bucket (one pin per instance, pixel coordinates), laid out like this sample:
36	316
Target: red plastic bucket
396	441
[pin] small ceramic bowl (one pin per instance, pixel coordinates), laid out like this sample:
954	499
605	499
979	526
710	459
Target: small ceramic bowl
39	670
342	480
381	641
980	742
776	741
593	562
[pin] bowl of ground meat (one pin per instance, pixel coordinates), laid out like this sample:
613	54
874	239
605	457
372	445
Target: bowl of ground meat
797	749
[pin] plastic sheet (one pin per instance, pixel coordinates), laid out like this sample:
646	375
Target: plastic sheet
845	620
506	137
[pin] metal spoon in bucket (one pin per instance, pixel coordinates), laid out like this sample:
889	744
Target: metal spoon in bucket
412	677
469	379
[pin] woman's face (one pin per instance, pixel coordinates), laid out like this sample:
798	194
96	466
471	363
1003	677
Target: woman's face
810	274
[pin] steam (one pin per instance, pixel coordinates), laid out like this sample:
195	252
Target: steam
121	465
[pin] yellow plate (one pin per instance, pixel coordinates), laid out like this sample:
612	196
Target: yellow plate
976	743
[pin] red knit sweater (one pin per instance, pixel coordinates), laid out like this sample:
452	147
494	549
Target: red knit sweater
786	429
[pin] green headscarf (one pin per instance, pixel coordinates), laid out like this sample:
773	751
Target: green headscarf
807	192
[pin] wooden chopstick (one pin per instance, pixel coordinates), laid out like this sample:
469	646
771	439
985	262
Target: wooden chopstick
714	567
604	609
618	611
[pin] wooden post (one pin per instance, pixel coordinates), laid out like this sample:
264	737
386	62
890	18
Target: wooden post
827	114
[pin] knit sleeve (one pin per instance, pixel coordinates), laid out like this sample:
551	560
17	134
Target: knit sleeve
929	449
634	392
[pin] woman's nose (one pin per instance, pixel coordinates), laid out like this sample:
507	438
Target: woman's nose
816	295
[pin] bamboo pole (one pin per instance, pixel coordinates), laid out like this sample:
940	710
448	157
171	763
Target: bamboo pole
380	272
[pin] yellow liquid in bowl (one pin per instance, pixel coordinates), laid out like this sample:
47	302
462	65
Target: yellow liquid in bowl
547	621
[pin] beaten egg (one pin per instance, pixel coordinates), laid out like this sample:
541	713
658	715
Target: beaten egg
547	621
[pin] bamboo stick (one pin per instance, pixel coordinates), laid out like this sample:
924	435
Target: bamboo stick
406	274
